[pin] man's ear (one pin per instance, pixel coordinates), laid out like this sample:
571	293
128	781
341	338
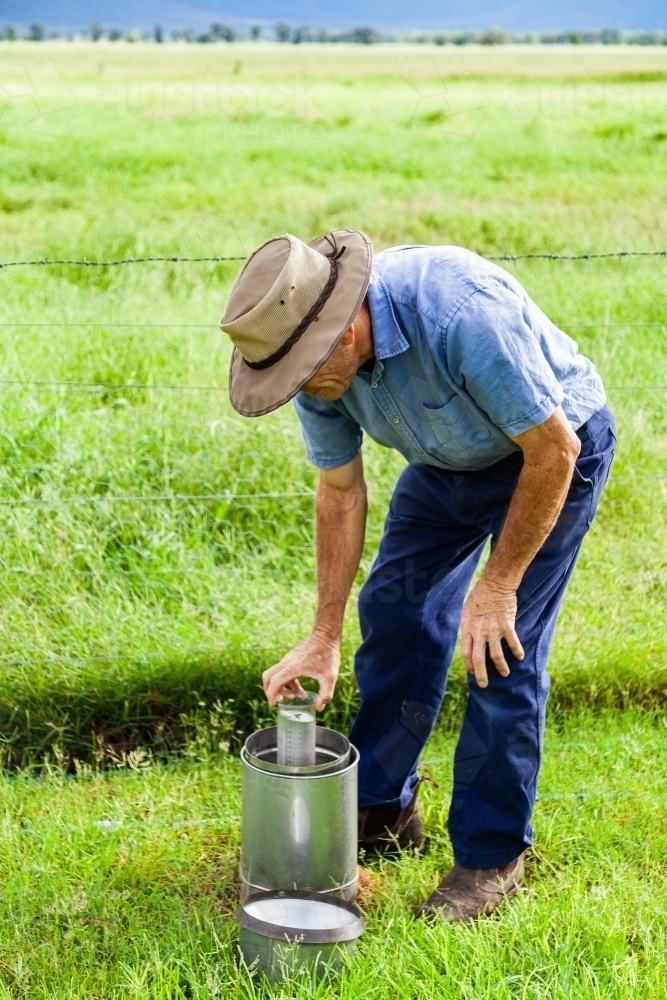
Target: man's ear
348	336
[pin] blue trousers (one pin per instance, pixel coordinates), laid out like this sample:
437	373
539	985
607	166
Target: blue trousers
410	610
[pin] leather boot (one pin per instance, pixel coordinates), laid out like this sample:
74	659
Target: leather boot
388	831
470	893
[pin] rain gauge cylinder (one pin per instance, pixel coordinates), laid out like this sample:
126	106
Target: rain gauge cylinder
296	732
299	827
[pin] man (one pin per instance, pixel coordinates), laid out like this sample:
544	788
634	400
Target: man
441	355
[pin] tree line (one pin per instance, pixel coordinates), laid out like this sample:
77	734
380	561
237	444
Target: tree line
365	35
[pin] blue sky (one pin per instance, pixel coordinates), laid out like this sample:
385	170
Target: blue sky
517	15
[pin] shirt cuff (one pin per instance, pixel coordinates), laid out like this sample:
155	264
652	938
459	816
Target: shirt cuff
322	462
537	416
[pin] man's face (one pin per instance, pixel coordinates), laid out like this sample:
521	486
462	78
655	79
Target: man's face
336	374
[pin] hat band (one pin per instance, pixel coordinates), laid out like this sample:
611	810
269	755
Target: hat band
309	318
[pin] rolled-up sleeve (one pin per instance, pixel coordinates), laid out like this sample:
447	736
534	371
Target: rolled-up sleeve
493	352
331	436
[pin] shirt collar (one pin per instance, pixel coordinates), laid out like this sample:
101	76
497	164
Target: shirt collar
387	337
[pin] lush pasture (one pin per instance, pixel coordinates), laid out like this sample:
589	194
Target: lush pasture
124	886
129	619
110	151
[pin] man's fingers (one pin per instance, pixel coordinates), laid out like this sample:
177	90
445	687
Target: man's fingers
466	651
283	680
269	683
514	643
295	686
498	657
278	680
327	686
266	680
479	661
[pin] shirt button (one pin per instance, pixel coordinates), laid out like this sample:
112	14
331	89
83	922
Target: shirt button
419	451
374	386
397	420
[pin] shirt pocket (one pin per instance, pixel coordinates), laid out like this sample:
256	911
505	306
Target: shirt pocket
455	428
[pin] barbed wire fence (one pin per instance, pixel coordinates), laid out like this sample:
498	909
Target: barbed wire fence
176	259
226	496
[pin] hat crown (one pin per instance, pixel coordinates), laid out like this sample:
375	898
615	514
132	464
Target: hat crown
272	294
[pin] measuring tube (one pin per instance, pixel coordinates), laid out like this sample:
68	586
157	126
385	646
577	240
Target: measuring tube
296	731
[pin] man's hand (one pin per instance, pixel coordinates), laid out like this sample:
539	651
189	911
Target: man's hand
317	657
488	617
550	451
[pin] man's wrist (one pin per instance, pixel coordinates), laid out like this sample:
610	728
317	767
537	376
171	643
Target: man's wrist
504	580
329	632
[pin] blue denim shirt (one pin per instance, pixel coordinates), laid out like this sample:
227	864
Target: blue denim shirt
463	359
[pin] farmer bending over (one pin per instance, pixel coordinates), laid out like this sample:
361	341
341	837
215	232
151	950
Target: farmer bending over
441	355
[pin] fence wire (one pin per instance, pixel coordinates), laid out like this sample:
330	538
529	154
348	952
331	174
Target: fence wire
219	497
177	259
251	497
177	386
158	324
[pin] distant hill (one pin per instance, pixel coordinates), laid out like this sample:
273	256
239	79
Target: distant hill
512	15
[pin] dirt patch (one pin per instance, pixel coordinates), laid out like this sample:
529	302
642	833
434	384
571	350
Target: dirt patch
367	888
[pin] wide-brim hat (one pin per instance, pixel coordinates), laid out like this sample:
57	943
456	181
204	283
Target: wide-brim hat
287	311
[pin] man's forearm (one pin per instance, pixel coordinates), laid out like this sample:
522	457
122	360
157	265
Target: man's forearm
489	615
340	530
537	501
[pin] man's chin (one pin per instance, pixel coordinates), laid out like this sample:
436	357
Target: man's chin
331	395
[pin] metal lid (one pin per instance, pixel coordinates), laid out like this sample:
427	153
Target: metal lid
332	752
301	917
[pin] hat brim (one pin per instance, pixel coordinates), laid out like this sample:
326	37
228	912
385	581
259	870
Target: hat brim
255	392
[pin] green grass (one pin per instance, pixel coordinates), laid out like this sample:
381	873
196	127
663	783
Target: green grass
113	151
130	629
122	885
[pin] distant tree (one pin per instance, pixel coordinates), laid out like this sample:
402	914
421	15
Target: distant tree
158	34
115	34
36	32
11	32
255	32
440	39
646	38
95	31
609	36
283	31
364	36
221	32
304	34
493	36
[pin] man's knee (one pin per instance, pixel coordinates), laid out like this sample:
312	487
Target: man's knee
396	583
